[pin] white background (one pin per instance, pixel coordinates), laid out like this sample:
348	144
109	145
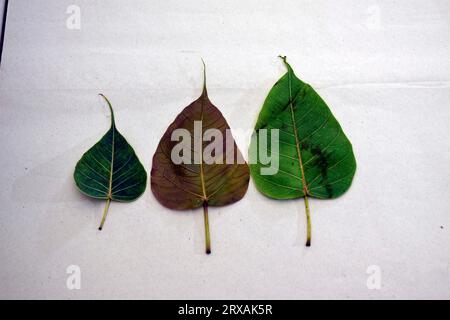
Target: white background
382	66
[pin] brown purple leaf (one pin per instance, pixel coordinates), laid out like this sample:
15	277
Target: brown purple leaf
196	182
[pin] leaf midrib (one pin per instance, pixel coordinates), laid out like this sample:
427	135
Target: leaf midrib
113	128
297	141
202	177
111	168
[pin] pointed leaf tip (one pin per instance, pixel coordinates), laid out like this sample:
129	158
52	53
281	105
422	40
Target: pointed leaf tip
110	108
284	58
204	92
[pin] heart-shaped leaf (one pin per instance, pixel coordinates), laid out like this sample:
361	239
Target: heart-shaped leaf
314	155
110	170
211	173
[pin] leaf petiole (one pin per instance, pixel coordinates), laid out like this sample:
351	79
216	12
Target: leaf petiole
308	223
105	212
207	235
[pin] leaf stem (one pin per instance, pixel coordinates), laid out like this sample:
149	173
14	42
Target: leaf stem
207	235
308	223
105	212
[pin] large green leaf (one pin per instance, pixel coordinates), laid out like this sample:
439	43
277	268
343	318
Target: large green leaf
110	170
315	157
192	184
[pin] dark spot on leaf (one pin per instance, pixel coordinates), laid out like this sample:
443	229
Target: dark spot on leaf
305	145
322	162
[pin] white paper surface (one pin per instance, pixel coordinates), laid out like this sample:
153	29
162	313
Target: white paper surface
382	66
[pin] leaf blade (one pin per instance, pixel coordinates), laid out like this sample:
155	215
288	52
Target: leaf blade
310	138
110	170
193	185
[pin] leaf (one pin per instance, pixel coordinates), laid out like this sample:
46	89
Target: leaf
192	184
110	170
315	157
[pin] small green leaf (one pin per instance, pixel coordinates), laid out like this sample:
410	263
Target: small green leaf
315	157
110	170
